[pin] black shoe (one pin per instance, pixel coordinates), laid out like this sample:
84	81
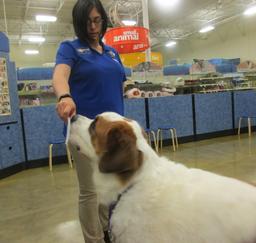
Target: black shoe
106	237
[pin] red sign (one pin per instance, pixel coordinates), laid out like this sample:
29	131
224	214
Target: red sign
127	39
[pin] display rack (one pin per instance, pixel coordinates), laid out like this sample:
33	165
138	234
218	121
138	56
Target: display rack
35	93
205	83
11	138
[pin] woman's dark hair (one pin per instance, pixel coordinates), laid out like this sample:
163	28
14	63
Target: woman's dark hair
81	13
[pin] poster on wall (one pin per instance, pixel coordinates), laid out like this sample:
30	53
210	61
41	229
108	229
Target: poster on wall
5	106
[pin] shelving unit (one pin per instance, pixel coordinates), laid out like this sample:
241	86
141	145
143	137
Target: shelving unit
11	137
35	93
197	83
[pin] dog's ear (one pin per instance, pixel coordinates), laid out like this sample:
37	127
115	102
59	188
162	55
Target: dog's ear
121	153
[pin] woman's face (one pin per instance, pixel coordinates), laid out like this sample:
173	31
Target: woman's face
94	25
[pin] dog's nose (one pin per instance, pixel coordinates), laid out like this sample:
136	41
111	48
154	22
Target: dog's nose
74	118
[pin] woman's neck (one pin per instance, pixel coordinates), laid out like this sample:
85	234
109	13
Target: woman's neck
96	46
94	43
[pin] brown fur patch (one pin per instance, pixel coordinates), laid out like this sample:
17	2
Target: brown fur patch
115	143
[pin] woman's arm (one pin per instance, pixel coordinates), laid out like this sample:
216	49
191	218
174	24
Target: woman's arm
66	106
60	79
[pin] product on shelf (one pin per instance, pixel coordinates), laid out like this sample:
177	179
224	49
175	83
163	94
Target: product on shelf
36	92
246	66
201	66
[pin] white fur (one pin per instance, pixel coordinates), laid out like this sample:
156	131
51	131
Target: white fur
170	203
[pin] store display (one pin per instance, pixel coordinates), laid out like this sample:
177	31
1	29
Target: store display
147	66
214	75
128	39
35	92
213	83
201	66
5	107
132	59
11	137
247	66
148	90
133	93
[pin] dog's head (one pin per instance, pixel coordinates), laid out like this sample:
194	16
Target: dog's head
111	141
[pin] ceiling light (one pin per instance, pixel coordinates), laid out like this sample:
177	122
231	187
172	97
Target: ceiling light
167	3
31	52
207	29
170	43
129	22
45	18
250	11
36	39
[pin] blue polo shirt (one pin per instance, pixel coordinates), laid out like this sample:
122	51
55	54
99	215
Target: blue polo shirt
96	80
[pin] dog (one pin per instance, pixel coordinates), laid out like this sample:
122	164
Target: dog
155	200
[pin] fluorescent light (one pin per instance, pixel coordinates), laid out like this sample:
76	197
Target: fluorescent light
167	3
31	52
129	22
250	11
45	18
36	39
170	43
207	29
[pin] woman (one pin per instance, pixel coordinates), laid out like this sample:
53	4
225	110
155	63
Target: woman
88	80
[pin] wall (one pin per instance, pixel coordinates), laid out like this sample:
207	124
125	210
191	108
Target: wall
230	40
46	54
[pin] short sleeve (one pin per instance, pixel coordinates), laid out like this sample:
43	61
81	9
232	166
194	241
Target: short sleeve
66	54
119	59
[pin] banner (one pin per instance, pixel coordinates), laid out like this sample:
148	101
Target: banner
128	39
132	59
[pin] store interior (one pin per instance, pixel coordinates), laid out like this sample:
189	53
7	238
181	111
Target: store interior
200	82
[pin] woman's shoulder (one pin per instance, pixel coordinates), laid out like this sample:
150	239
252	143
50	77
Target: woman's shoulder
72	43
75	43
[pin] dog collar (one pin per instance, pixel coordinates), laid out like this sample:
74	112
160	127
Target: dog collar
112	207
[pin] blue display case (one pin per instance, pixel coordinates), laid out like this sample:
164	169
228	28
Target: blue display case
11	140
213	112
42	125
172	111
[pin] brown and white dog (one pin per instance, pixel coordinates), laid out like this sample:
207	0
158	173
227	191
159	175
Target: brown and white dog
160	201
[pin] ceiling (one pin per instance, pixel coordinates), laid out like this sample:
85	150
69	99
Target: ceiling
17	17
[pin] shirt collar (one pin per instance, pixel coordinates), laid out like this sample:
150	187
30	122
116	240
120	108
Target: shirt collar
106	48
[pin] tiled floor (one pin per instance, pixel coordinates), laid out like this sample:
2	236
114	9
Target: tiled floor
37	206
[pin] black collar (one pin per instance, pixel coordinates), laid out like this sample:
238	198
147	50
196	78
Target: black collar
112	207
